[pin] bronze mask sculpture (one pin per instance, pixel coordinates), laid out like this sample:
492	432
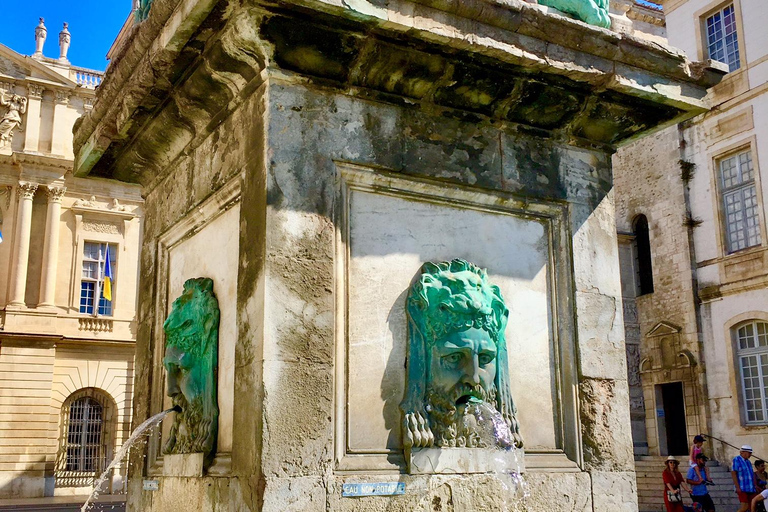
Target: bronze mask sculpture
457	356
191	353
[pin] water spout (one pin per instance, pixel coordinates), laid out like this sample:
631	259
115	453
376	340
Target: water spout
141	431
507	464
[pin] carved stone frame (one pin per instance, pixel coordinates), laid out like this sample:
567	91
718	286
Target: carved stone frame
568	456
210	209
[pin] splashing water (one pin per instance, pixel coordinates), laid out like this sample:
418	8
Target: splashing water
141	431
507	460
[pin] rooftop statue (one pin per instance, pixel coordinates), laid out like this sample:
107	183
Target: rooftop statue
457	356
142	10
191	361
16	106
594	12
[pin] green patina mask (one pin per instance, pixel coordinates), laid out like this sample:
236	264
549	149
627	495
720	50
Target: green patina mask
191	359
594	12
457	354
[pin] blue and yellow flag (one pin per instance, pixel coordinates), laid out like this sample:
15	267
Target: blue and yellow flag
106	290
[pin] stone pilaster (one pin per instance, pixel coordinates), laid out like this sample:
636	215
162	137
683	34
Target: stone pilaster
51	245
21	246
62	136
32	131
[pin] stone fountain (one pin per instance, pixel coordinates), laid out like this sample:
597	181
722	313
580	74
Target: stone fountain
405	210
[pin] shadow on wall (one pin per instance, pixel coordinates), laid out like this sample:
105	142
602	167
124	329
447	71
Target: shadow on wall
393	384
25	484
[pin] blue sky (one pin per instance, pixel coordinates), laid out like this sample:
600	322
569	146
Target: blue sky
94	24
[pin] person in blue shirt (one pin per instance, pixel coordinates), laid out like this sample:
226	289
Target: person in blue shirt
698	478
744	478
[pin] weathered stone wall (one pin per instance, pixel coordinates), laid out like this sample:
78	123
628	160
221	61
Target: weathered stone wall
301	192
231	151
284	399
648	181
498	108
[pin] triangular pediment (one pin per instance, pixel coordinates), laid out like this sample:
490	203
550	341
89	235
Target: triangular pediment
16	66
663	329
12	68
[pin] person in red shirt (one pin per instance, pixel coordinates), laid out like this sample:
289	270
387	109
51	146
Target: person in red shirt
673	482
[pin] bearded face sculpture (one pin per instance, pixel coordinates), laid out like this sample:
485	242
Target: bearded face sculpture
191	358
457	356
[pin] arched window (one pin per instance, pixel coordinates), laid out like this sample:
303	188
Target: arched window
86	425
643	256
86	437
752	351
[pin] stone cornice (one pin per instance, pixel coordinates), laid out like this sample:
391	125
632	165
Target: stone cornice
36	86
641	13
103	213
132	59
129	344
455	43
41	161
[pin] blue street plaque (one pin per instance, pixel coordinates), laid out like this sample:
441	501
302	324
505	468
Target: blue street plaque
374	489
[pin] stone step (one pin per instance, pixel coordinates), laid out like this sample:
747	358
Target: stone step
106	503
650	487
63	507
660	464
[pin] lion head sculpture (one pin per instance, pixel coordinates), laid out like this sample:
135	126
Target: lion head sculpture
457	352
191	354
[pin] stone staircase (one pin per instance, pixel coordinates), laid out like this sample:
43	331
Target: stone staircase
106	503
650	486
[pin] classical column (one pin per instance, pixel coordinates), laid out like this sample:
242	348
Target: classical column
21	243
32	131
51	246
62	126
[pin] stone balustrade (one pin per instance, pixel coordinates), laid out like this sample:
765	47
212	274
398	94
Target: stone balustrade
87	78
96	324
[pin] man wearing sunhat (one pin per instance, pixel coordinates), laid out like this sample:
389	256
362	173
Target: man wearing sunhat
698	478
744	478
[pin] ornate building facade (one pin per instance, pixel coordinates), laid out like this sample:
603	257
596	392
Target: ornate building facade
692	220
66	352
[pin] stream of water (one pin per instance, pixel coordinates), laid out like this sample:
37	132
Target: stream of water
507	465
139	434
